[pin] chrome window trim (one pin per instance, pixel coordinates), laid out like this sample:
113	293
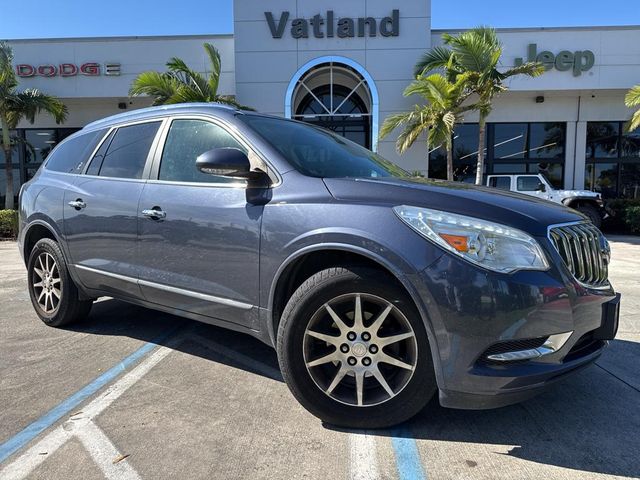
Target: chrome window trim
607	285
167	288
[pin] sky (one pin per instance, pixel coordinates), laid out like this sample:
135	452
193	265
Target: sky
92	18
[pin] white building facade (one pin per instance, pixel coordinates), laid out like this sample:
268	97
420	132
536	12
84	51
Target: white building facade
345	65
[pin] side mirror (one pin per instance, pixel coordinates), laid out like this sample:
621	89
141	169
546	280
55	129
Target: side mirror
541	187
226	162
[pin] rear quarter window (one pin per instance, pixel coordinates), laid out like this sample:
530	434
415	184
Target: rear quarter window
72	154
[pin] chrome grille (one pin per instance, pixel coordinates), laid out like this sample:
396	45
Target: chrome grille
585	252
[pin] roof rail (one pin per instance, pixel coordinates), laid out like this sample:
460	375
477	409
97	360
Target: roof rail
161	108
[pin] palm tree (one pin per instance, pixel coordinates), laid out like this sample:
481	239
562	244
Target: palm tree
632	99
438	117
477	50
14	106
180	84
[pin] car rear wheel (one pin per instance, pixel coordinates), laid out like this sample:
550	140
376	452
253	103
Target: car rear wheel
353	350
53	294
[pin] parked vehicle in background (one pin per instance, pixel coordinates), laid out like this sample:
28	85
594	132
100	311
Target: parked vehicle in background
376	288
587	202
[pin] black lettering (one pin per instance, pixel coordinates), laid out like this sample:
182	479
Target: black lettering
276	32
317	22
299	28
369	22
345	27
390	26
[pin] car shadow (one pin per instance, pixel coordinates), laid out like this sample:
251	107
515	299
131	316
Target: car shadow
589	422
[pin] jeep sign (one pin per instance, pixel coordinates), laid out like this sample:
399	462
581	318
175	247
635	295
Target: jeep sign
578	61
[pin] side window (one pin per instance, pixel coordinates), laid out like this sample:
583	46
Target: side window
127	153
528	184
503	183
186	140
71	154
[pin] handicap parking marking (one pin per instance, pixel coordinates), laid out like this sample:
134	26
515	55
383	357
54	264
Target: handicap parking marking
407	456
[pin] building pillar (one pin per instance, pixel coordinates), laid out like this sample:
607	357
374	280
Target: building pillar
569	155
580	155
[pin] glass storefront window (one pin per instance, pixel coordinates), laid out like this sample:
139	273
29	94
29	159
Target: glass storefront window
630	144
602	139
510	140
3	184
40	143
547	140
552	171
630	180
602	178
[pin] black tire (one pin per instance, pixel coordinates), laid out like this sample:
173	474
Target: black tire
591	212
304	305
68	308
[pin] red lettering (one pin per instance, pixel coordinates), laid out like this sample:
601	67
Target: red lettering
25	70
67	70
47	70
90	69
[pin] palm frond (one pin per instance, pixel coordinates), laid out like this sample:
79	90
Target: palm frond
530	69
214	60
437	57
161	86
31	102
632	99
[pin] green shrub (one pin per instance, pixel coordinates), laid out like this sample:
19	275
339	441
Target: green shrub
632	219
617	208
8	223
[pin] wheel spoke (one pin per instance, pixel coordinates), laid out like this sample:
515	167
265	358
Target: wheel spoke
55	281
375	326
337	379
40	263
394	361
56	292
384	341
332	357
38	284
46	262
358	323
47	297
338	321
38	272
359	386
382	381
326	338
42	294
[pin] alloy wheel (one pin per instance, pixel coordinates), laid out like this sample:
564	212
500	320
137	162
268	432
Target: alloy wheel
360	349
46	283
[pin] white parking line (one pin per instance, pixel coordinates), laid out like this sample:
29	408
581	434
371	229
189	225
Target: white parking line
363	461
101	451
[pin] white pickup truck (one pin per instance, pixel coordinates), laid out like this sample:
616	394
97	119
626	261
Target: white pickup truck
585	201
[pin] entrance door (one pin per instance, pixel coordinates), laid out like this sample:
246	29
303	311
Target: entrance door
200	251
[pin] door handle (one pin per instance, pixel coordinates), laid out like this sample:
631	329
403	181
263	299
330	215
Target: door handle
78	204
155	213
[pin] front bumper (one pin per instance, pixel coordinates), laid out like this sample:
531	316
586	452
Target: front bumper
471	311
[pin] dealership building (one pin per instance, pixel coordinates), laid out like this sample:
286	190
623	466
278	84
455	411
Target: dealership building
345	65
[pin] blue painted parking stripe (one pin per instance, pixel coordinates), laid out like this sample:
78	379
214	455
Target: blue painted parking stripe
23	437
408	461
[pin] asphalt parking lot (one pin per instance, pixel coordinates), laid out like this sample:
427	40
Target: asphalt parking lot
132	393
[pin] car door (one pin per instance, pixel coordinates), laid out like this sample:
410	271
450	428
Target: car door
199	252
101	209
530	185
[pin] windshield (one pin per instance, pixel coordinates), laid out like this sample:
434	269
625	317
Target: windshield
316	152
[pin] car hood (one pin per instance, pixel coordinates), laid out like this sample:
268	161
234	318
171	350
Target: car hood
578	193
523	212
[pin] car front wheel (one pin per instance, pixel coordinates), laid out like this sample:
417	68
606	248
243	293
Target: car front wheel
353	350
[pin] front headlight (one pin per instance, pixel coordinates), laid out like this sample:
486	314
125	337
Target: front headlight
487	244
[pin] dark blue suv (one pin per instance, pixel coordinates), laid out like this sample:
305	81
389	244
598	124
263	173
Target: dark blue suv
376	288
